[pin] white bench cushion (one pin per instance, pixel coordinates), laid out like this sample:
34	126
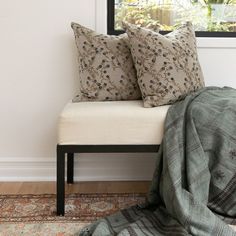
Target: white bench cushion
116	122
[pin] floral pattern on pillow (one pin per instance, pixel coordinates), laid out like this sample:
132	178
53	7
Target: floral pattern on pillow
167	66
106	69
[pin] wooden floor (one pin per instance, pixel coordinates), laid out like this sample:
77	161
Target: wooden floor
82	187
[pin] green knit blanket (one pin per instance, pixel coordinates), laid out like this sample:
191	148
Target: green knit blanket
193	191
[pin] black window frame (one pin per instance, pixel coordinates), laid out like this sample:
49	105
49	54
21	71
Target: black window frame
112	31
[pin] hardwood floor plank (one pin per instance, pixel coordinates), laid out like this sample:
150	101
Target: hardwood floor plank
9	188
78	187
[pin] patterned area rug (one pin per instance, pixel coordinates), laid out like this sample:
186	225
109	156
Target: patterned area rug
36	214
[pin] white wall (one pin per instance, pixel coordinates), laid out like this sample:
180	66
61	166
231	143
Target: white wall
38	76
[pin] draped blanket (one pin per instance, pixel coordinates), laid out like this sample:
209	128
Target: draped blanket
193	191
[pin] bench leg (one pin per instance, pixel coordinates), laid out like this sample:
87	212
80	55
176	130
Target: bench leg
60	182
70	168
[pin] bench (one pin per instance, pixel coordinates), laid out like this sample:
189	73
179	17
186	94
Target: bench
104	127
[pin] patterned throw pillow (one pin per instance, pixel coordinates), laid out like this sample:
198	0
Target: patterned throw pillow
106	69
167	65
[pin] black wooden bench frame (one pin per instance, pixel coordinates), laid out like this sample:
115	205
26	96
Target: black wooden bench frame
69	150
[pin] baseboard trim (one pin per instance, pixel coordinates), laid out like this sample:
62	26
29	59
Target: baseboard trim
88	167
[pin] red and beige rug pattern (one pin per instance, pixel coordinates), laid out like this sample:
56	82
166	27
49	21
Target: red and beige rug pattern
35	214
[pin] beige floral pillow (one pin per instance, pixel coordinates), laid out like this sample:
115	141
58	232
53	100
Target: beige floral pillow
106	69
167	65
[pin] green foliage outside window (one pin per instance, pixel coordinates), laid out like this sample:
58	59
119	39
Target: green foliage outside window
206	15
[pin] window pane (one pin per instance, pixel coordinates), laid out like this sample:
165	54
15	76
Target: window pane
206	15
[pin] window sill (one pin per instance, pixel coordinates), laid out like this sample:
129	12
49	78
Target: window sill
216	42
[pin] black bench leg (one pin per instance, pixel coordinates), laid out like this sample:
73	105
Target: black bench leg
60	182
70	168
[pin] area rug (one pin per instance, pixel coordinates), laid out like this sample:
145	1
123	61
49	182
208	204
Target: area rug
36	214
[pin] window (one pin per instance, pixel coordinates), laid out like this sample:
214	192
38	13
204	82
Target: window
211	18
